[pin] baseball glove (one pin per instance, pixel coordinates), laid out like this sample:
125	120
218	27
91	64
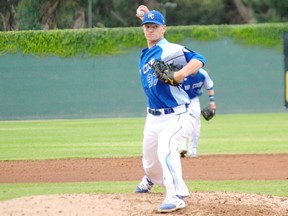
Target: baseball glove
208	113
165	72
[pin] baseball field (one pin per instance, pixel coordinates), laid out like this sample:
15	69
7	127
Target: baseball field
91	167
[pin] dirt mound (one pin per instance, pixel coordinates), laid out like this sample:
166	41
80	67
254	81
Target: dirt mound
200	204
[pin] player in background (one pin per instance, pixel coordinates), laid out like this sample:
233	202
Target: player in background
169	120
193	85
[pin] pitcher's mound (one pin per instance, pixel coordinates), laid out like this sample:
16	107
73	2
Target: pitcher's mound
198	204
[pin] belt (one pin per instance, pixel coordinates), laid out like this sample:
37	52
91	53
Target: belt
157	112
165	111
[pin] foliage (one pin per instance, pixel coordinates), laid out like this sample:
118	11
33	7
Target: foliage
70	42
269	10
121	13
127	10
7	14
65	14
268	35
107	41
195	12
28	14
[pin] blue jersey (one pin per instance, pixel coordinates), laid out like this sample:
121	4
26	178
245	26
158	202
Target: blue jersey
162	95
193	84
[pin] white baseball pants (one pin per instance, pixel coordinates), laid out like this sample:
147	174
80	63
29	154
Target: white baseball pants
163	134
196	110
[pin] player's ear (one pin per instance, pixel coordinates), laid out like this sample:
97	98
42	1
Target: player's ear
164	27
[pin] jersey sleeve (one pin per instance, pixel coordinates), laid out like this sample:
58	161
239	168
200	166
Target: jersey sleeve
208	82
190	54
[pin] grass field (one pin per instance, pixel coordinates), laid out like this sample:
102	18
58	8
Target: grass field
90	138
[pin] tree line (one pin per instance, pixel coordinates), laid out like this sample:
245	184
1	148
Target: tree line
75	14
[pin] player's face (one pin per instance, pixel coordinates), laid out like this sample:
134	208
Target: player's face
154	32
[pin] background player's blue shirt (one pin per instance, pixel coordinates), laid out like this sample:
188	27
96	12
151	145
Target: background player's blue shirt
161	95
193	84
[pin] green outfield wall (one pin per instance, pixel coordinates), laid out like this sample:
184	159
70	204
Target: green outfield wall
247	79
285	45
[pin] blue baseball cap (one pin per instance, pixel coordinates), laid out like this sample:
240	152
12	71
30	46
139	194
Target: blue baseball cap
154	17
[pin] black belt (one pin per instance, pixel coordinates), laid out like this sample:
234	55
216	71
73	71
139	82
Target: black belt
157	112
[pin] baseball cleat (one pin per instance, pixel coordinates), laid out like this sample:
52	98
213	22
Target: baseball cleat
183	153
144	186
172	204
193	153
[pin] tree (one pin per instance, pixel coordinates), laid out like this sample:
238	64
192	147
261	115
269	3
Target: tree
48	14
43	14
67	14
7	13
245	11
71	14
193	12
28	14
269	10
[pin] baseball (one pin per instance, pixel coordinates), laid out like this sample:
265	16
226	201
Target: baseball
140	13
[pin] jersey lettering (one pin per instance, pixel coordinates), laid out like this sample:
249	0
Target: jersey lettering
151	80
197	85
147	66
187	87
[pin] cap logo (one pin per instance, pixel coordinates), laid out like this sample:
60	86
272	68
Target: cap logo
151	16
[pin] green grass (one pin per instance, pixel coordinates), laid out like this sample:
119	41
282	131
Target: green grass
89	138
245	134
10	191
35	140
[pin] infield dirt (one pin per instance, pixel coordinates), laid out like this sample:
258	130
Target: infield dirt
217	167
